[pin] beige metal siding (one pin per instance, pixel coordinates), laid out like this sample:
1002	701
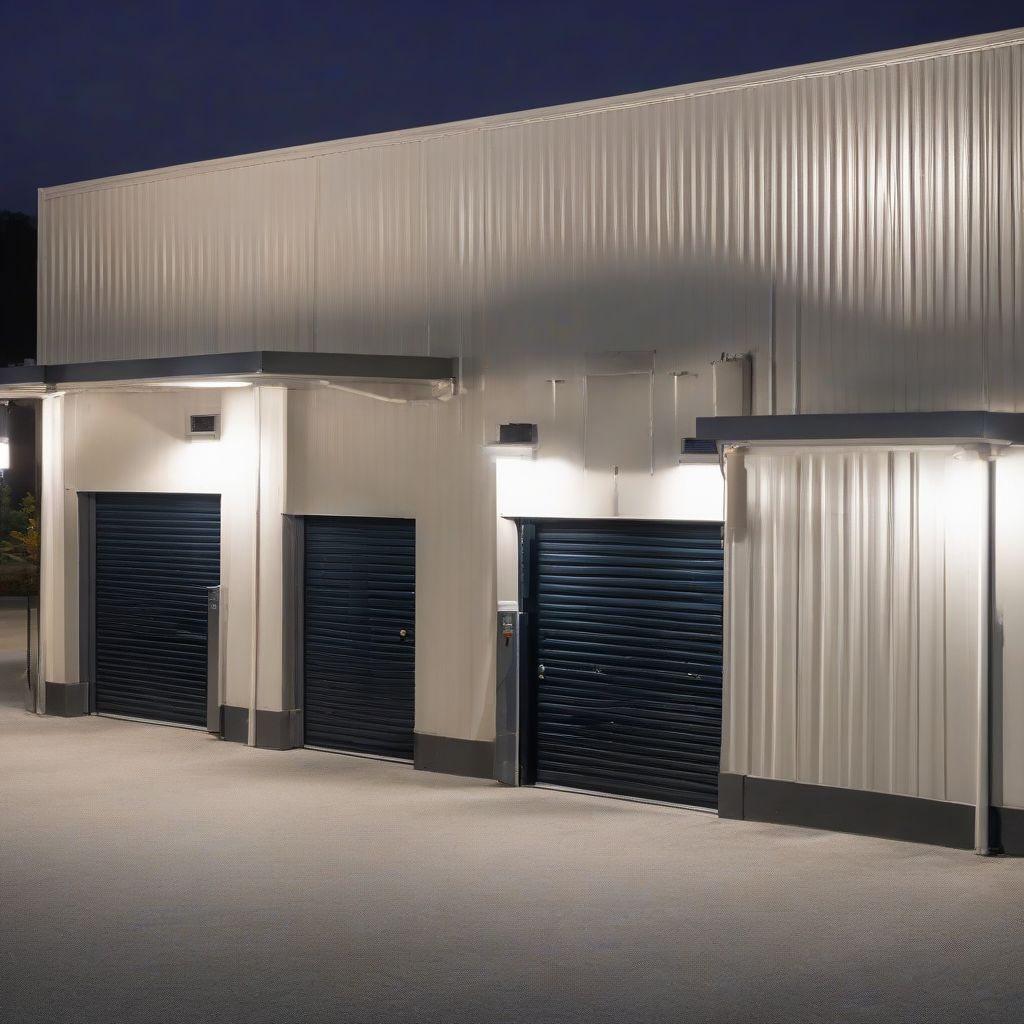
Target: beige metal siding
217	262
853	621
880	205
1008	663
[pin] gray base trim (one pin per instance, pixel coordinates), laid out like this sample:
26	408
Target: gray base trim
886	815
278	730
275	730
730	796
65	700
1008	830
471	758
234	724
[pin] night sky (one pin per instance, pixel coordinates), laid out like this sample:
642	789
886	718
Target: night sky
90	89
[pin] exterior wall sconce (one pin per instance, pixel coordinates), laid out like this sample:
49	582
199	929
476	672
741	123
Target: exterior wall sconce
515	441
695	451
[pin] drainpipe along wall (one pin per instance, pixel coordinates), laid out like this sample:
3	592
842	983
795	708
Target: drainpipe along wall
986	584
257	394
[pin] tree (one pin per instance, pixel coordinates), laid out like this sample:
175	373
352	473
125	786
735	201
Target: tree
19	548
6	511
19	529
27	537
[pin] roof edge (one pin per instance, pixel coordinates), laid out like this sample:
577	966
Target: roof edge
252	365
849	428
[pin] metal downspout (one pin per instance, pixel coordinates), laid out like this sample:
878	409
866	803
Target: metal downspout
983	790
254	681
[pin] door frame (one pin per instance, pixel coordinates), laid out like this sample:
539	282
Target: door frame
87	597
294	613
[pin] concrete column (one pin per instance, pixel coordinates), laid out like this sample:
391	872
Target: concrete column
255	435
60	691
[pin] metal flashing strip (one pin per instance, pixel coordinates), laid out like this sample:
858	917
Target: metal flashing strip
22	376
834	809
875	428
65	700
473	759
235	365
278	730
234	724
1009	830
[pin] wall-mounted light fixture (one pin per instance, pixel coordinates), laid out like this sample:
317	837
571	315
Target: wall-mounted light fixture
515	441
695	451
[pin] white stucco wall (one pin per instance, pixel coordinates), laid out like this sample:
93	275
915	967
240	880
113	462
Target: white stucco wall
109	441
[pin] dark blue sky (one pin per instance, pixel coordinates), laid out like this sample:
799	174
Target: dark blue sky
89	89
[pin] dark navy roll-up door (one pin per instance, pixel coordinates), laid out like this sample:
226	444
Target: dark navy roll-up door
156	555
359	652
628	648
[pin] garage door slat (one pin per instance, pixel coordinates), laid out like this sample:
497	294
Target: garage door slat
628	627
359	673
156	555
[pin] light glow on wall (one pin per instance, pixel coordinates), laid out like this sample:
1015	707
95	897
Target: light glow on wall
534	488
561	488
700	492
964	495
5	454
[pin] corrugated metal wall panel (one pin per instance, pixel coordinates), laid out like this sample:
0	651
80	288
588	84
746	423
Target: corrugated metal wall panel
217	262
882	205
853	621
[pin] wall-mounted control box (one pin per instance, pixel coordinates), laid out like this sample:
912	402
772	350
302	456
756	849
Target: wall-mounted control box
506	746
203	426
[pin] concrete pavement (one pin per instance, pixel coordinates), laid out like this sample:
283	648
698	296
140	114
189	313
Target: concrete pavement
157	874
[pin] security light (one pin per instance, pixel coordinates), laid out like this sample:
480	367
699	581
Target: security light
515	441
696	451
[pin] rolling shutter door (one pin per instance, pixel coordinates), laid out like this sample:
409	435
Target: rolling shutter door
359	648
628	646
156	555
